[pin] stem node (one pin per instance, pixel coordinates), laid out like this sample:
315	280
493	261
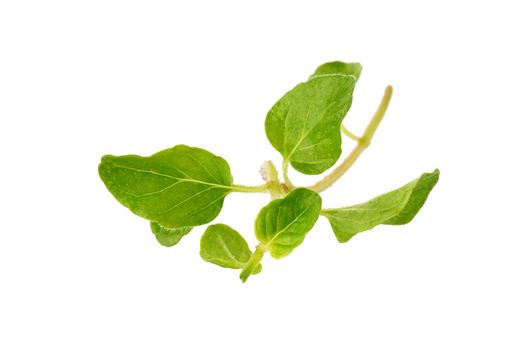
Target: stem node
362	144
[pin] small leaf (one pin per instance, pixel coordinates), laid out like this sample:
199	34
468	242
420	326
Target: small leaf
168	237
339	67
397	207
283	224
304	125
223	246
180	186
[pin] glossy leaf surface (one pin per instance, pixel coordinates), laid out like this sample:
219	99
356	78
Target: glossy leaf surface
283	224
304	125
180	186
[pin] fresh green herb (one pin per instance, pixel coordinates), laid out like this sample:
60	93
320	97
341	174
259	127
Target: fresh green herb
183	187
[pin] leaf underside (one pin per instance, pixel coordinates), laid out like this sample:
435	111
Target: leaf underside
397	207
338	67
282	225
180	186
168	237
223	246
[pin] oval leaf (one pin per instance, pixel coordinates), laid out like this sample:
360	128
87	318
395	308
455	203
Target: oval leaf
223	246
283	224
304	125
397	207
168	237
180	186
339	67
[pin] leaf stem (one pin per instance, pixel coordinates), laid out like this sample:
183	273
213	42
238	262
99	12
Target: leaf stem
252	264
249	189
287	180
363	143
349	134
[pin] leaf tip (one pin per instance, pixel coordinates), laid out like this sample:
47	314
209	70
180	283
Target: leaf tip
106	158
434	176
244	276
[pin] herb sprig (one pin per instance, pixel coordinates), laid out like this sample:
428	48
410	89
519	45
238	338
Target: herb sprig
182	187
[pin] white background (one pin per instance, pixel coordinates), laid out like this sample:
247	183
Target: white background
79	79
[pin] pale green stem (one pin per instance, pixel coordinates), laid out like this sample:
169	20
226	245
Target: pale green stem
287	180
363	143
349	134
276	190
271	186
252	264
249	189
378	116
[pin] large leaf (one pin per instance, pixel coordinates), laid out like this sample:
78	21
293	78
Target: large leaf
397	207
180	186
223	246
304	125
283	224
168	237
339	67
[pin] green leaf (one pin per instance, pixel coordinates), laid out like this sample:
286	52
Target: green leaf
168	237
223	246
339	67
397	207
304	125
283	224
180	186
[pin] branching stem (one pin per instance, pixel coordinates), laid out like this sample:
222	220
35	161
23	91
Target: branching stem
363	143
349	134
287	180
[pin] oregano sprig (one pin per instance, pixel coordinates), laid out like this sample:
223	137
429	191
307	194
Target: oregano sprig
182	187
